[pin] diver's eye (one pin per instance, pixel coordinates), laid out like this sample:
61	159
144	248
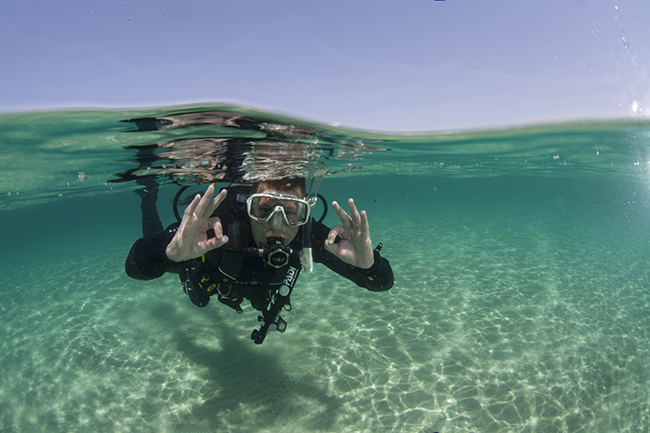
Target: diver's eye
264	211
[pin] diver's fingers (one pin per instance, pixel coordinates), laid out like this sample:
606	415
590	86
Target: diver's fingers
354	213
219	238
363	224
215	225
191	208
343	216
337	230
213	243
359	219
214	204
204	204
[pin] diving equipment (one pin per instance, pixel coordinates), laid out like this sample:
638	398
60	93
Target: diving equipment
264	207
275	254
306	258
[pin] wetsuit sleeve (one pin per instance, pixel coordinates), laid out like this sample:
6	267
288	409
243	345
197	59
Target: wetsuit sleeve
378	278
147	259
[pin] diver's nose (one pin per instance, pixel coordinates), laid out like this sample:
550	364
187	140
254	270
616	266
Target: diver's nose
276	222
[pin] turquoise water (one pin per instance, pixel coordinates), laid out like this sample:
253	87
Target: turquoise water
521	301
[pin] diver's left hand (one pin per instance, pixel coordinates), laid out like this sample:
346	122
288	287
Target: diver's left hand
355	247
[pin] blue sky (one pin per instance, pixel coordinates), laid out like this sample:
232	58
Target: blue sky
386	65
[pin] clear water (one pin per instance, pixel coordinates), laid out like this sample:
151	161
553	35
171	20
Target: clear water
521	302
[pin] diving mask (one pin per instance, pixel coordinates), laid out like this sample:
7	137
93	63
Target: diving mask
263	207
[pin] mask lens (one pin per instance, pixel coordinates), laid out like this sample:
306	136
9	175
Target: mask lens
262	207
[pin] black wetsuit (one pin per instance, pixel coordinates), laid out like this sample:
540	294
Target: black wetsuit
235	276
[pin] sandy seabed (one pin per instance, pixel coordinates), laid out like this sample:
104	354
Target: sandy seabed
502	325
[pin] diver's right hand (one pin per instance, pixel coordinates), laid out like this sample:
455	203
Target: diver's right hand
191	239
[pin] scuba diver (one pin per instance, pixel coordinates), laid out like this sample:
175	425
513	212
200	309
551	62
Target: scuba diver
246	243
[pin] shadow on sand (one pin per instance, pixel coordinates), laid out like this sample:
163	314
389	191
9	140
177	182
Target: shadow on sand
248	388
